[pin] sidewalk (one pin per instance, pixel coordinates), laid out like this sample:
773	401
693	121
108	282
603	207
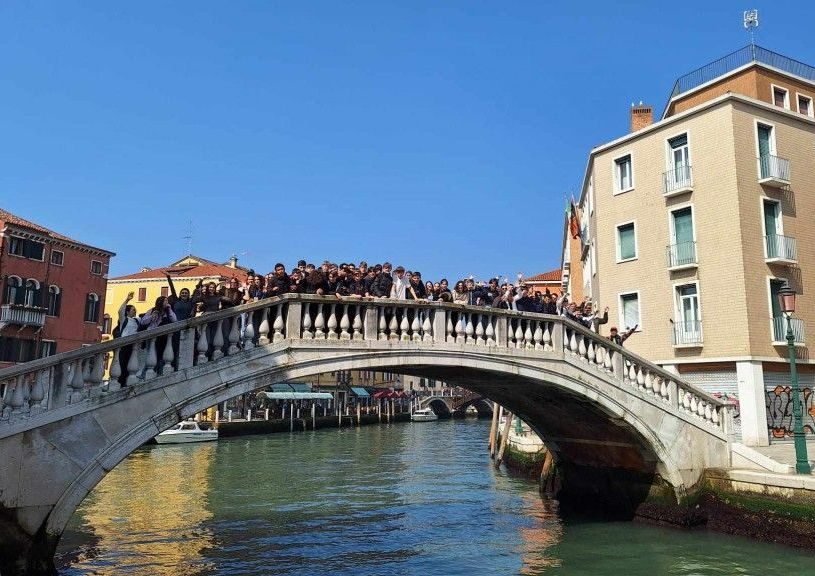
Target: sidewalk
784	452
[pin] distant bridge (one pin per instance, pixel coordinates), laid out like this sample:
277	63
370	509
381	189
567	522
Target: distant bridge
447	405
617	424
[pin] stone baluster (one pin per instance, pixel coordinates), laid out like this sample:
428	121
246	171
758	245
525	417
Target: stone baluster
307	333
278	325
264	328
404	326
448	327
96	373
581	346
511	332
608	363
599	355
489	333
319	324
383	325
5	407
357	326
77	383
345	324
37	393
427	327
469	330
393	326
115	372
573	342
590	351
519	334
640	378
416	326
547	337
234	336
249	333
218	341
537	335
168	356
151	359
663	388
332	323
528	335
202	346
479	330
18	397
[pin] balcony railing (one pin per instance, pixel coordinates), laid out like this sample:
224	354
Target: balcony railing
773	169
681	255
781	248
678	181
780	329
687	334
21	315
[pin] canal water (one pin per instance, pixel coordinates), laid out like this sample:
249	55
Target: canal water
378	500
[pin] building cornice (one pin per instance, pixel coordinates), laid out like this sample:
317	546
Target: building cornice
23	232
722	359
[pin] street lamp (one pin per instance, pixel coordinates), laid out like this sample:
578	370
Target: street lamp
786	299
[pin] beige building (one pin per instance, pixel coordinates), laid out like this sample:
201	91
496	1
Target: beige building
691	224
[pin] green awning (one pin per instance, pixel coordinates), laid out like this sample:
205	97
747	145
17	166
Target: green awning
291	387
297	395
360	392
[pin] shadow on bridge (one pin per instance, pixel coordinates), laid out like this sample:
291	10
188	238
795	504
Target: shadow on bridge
619	427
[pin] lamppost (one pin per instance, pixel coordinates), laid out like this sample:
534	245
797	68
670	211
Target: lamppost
786	299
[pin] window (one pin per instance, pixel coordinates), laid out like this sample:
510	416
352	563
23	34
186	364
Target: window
629	310
776	245
57	257
142	295
165	291
33	295
96	267
805	105
781	97
92	308
623	174
14	293
54	300
47	348
626	242
17	349
679	162
767	164
682	251
688	320
107	324
26	248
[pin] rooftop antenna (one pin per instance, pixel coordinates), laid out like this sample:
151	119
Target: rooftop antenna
188	237
750	24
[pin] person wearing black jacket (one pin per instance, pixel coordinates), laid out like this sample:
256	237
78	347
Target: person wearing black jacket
182	304
381	286
280	283
527	303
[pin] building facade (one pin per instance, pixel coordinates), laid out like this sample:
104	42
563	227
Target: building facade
53	291
690	226
150	283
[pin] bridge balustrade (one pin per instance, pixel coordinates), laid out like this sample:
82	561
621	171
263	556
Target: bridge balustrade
55	383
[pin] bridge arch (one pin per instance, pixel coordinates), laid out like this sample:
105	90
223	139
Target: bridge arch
612	437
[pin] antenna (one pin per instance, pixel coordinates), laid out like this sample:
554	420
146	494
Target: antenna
750	24
188	237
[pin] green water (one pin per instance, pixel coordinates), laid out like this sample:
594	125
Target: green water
388	499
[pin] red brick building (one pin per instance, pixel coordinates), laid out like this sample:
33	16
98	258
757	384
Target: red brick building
52	291
548	280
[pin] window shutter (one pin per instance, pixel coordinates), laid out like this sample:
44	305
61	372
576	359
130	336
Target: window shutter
87	307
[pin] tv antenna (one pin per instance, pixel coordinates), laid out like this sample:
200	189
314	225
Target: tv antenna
188	237
750	24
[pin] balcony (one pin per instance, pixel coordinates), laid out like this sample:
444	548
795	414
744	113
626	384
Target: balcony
780	249
22	315
779	326
687	334
677	181
773	170
681	256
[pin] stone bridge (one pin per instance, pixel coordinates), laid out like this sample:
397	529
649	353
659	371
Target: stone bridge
446	406
617	425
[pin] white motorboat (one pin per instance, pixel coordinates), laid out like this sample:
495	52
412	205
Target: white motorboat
423	415
188	431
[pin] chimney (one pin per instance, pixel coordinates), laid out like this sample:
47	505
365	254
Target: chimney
641	116
233	261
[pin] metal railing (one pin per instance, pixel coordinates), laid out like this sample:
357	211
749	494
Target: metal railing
780	329
737	59
781	247
682	254
773	168
677	180
22	315
686	333
74	381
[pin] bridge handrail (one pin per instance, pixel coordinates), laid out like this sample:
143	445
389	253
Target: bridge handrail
70	377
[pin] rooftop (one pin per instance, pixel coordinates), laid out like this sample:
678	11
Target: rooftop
741	57
188	267
9	218
551	276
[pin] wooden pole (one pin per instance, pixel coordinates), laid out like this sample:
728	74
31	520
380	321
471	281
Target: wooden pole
359	414
546	472
504	438
493	428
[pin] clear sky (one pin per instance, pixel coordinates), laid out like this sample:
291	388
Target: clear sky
439	135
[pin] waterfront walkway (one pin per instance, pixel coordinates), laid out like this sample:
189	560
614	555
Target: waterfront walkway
784	452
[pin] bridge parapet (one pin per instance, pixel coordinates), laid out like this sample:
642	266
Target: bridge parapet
73	381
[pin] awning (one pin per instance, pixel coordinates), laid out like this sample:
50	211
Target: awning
291	387
360	392
297	395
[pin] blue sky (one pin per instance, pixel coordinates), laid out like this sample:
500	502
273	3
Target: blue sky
439	135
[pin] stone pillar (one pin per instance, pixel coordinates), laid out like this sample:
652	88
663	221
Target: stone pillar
750	376
371	327
186	348
501	331
294	320
440	325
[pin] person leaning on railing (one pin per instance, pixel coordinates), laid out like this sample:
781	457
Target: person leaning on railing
128	324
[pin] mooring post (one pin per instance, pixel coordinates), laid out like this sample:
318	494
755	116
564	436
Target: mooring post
493	428
504	439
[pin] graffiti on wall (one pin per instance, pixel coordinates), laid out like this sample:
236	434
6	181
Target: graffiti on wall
779	411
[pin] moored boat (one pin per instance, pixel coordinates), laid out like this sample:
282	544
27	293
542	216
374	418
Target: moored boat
186	432
423	415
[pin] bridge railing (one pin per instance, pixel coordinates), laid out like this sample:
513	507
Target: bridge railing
32	388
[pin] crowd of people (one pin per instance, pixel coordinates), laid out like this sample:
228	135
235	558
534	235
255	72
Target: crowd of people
348	280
